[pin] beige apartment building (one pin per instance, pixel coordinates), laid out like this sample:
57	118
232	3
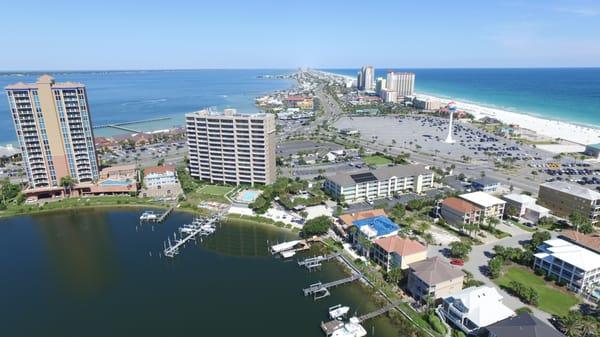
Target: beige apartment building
232	148
564	198
402	83
54	131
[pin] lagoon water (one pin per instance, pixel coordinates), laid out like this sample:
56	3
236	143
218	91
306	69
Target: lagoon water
98	273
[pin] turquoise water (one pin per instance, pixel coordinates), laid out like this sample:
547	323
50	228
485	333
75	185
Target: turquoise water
567	94
111	182
123	96
249	196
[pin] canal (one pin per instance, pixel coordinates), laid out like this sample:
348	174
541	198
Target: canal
99	273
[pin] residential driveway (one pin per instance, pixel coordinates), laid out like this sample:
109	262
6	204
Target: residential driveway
477	264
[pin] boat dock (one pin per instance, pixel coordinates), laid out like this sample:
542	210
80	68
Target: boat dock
152	217
316	261
330	327
200	227
289	248
320	290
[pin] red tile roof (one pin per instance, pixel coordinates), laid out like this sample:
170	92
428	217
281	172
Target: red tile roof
400	246
460	205
159	169
348	219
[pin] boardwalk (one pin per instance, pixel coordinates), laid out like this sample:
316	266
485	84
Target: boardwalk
378	312
112	125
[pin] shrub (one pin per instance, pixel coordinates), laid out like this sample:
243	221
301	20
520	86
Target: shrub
523	310
436	323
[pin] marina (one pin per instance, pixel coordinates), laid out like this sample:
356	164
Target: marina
198	228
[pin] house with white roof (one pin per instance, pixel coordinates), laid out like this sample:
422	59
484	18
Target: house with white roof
491	206
526	206
574	265
474	308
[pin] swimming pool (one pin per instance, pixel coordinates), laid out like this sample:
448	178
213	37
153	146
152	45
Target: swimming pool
248	196
112	182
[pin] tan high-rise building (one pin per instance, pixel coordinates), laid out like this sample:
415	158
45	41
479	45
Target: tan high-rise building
402	83
54	130
232	148
366	79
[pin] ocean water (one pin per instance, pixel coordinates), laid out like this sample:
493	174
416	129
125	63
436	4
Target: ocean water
566	94
122	96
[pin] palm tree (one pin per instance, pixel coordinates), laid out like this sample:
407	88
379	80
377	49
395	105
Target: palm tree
571	323
68	182
493	222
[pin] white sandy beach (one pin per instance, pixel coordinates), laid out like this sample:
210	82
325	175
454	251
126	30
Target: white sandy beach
546	127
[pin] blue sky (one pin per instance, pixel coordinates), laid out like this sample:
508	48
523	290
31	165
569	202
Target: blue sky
174	34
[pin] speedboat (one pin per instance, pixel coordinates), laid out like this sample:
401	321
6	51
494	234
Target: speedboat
338	311
350	329
209	229
147	216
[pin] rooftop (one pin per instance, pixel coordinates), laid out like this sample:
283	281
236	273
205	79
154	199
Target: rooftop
460	205
400	246
594	146
435	270
577	256
159	169
482	199
572	189
44	79
589	241
348	219
523	325
486	181
482	305
224	113
376	226
520	198
379	174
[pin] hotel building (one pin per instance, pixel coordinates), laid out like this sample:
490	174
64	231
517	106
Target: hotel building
402	83
378	183
231	148
564	198
54	131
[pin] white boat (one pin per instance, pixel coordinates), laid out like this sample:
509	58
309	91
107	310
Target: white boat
350	329
284	246
338	311
148	215
287	254
208	229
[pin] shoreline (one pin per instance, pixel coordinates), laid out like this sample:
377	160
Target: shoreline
569	131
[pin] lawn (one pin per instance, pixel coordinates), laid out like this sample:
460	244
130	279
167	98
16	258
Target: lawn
210	193
553	300
376	160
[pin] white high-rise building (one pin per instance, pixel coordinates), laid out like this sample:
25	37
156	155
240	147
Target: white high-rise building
232	148
380	85
402	83
54	130
366	79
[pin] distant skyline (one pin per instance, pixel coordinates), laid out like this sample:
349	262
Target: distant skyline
121	35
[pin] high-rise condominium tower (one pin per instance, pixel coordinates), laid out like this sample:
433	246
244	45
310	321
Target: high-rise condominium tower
402	83
366	79
54	131
231	148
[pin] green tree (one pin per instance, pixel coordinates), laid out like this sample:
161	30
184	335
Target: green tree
317	226
394	276
581	223
459	249
512	211
537	238
67	182
495	266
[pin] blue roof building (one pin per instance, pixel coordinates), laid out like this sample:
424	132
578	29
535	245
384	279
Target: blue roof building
377	227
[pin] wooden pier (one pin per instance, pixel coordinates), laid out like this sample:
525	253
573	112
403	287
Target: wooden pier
189	232
320	290
163	216
378	312
316	261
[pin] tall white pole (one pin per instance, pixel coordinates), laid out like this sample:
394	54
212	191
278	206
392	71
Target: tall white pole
449	138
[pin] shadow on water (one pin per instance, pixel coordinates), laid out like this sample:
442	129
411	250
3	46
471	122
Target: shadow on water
100	273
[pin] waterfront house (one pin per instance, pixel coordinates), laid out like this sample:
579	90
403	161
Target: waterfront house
577	267
588	241
396	252
347	220
433	277
474	308
157	176
523	325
